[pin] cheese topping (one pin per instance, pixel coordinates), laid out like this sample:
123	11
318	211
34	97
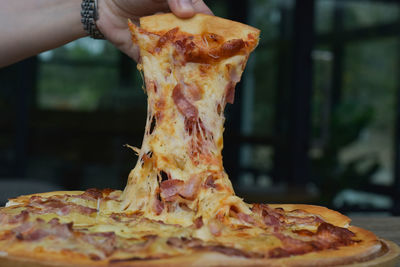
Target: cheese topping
178	199
179	176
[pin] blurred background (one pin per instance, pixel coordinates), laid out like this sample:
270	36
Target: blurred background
316	117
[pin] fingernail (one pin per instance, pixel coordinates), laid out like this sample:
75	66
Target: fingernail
186	5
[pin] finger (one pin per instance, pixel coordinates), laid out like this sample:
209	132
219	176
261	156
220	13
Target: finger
182	8
201	7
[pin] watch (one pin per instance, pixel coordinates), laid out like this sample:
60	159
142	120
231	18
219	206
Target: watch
89	16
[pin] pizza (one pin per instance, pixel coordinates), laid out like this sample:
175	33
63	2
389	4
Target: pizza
179	207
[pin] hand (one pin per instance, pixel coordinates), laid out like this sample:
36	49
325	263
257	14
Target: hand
113	16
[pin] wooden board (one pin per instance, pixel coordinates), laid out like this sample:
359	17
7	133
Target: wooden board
389	257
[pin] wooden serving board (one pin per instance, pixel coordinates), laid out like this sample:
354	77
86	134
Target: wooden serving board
389	257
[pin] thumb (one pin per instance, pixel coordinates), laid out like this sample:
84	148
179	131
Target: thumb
182	8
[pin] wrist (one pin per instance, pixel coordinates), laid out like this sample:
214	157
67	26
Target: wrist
89	18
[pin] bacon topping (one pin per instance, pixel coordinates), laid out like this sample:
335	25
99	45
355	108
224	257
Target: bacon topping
14	219
230	92
105	241
173	187
198	222
245	218
158	206
92	194
53	205
338	235
191	188
210	183
271	216
170	188
194	92
215	227
187	109
35	231
233	79
327	236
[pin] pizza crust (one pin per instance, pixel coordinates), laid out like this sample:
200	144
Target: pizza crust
25	198
199	24
387	255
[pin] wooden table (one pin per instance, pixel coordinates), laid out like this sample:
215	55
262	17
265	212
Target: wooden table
385	227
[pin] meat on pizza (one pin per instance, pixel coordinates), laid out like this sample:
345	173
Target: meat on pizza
179	207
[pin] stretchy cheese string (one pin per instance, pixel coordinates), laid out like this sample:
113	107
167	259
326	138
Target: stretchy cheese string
179	176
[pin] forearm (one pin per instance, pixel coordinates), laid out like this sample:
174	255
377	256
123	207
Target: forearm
28	27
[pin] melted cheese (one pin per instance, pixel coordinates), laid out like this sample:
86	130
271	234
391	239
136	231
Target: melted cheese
180	153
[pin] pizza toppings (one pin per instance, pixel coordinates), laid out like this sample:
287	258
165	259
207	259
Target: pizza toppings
191	188
41	205
105	241
178	199
14	219
33	231
185	107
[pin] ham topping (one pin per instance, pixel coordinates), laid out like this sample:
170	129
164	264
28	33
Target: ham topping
245	218
270	216
158	206
233	79
187	109
52	205
29	231
210	183
198	222
170	188
14	219
191	188
215	227
337	235
93	194
327	236
105	241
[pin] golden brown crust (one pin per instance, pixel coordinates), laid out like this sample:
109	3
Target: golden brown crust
47	258
198	24
386	255
25	198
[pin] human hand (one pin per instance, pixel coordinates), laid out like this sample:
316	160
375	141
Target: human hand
113	16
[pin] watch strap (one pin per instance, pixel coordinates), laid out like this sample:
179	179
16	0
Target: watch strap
89	16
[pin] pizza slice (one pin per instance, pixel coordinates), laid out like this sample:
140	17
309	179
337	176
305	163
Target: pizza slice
179	207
